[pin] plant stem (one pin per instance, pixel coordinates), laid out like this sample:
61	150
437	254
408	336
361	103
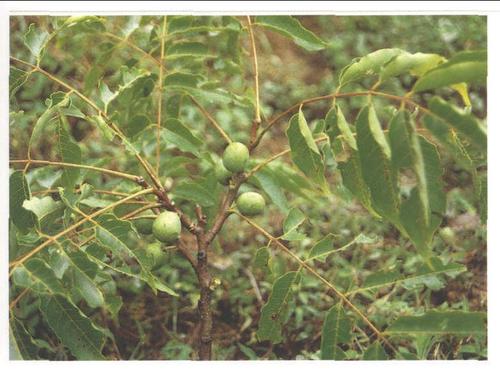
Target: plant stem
204	309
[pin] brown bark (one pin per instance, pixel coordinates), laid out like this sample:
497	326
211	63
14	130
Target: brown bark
205	312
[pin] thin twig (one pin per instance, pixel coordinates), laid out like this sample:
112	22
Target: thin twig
18	298
211	120
128	176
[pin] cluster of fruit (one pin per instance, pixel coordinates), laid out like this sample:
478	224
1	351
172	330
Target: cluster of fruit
166	227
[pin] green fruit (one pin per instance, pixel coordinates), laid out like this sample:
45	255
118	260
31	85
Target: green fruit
144	225
222	174
167	227
235	157
448	235
250	203
157	253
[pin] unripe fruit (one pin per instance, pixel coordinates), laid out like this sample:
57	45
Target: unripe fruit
167	227
448	235
159	256
235	157
222	174
250	203
144	225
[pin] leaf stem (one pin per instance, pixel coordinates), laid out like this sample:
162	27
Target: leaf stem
127	176
160	93
256	72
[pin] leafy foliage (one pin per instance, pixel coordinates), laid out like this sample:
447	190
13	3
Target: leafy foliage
376	197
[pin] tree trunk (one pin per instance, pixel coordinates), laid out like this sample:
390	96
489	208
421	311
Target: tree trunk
205	312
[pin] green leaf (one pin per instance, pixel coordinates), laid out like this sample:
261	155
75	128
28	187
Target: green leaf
269	183
419	166
336	122
38	276
19	191
84	23
132	24
73	328
69	152
21	343
399	140
181	136
136	84
375	352
273	314
324	247
292	222
50	118
449	139
336	330
440	322
17	78
375	159
464	123
262	259
465	67
196	192
368	65
36	40
105	129
421	275
305	153
84	272
46	210
420	228
291	27
416	64
187	49
183	80
352	178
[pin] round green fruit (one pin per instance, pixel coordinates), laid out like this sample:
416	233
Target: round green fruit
235	157
157	253
448	235
222	174
167	227
250	203
144	225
